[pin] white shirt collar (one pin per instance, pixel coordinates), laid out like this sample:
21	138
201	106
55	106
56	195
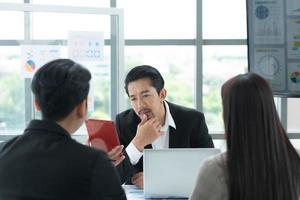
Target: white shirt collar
169	121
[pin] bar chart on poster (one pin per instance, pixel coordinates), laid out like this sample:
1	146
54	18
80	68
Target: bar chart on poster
274	43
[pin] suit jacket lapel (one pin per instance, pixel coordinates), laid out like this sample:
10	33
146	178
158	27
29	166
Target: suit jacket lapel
133	122
173	133
173	138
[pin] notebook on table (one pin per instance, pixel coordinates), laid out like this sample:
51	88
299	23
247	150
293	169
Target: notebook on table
172	173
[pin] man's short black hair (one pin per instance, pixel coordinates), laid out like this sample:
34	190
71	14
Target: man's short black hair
59	86
145	71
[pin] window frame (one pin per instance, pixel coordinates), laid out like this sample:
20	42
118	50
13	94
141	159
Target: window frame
117	75
116	42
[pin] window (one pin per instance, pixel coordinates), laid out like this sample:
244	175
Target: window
16	103
176	64
156	19
219	64
12	115
11	1
85	3
293	115
158	33
293	125
227	20
59	24
9	32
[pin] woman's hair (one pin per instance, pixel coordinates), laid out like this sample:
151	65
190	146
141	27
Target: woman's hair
262	163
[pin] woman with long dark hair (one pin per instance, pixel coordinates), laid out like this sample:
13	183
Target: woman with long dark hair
260	162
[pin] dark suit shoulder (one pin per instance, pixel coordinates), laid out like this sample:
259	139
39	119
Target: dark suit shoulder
7	143
125	114
191	122
127	118
84	149
183	111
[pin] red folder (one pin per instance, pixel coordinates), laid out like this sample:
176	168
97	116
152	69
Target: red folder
102	134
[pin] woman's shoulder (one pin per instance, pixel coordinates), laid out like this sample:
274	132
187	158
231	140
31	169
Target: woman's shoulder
218	161
212	179
215	166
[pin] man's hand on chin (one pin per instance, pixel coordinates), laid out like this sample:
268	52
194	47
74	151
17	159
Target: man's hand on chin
147	132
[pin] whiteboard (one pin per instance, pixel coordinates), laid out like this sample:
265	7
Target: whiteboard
274	43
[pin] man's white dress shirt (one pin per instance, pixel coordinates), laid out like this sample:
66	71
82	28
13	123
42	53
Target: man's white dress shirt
160	143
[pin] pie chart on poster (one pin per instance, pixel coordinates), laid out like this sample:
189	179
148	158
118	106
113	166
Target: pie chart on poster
262	12
29	66
295	77
268	65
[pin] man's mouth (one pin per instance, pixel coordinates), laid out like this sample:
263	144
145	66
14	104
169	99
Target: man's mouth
146	112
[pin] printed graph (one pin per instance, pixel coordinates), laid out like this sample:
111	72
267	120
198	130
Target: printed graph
268	65
295	77
29	66
261	12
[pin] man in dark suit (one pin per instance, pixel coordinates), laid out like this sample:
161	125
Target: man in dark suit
45	162
154	123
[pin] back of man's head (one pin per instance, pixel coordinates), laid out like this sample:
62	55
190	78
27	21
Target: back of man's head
145	71
59	86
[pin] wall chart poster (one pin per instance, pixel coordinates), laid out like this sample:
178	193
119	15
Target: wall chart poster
293	38
293	77
34	56
268	22
86	46
274	43
269	63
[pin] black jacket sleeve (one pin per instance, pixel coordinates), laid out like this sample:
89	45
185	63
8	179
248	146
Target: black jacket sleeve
125	168
201	137
105	183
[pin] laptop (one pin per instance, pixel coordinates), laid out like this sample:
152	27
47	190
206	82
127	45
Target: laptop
172	173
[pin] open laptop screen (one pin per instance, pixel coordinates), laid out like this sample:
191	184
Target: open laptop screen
173	172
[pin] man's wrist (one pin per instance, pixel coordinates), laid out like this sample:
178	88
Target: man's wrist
138	144
133	153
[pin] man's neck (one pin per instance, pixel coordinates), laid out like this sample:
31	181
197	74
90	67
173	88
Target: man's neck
69	124
65	126
162	118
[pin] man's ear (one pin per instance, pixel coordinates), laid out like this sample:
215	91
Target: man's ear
82	109
163	94
37	105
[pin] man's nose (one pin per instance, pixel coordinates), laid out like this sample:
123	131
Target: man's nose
140	103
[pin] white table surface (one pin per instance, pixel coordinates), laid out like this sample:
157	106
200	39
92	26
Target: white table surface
135	193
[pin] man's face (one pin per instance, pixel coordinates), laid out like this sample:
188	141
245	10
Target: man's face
144	98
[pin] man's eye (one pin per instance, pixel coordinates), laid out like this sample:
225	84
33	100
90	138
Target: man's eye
132	99
146	95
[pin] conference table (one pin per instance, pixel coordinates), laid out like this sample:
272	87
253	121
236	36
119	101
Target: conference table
135	193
